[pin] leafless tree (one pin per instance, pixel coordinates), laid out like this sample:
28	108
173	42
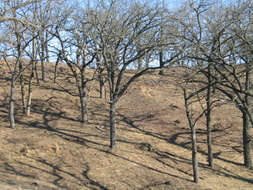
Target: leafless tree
119	32
14	19
220	45
77	51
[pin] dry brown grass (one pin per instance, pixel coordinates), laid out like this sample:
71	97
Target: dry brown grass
52	150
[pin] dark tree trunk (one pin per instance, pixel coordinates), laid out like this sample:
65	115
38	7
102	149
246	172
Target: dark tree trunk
12	102
82	94
46	47
161	63
43	73
112	124
247	142
139	63
84	116
101	86
55	68
34	69
208	120
147	59
247	124
36	72
194	155
22	86
42	54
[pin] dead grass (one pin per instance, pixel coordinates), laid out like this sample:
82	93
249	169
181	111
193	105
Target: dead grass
53	150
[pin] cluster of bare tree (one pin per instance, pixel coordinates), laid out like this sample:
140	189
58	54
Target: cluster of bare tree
219	61
213	43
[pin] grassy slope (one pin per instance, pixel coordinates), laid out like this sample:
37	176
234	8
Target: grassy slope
52	150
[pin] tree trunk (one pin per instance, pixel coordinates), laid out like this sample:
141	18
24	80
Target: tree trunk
43	73
83	103
247	124
46	47
193	139
22	86
42	55
12	102
36	72
147	59
29	95
55	68
246	142
82	94
161	63
101	86
139	63
208	120
194	155
112	124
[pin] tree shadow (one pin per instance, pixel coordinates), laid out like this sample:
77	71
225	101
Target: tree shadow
157	185
57	174
173	140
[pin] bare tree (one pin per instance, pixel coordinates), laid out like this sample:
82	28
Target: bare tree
14	19
77	51
118	33
220	44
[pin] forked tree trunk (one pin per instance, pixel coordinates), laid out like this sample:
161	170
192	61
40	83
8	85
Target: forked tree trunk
193	139
112	124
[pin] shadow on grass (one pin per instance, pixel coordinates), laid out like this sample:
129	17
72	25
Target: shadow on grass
173	140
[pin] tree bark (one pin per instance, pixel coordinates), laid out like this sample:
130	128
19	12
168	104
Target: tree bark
246	142
194	155
36	72
161	63
208	120
12	102
101	86
112	124
193	139
82	95
42	55
29	95
46	47
247	125
84	116
56	67
22	86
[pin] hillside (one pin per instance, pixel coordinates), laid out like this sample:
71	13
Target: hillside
52	150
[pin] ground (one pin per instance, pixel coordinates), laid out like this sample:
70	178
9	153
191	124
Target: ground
52	149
